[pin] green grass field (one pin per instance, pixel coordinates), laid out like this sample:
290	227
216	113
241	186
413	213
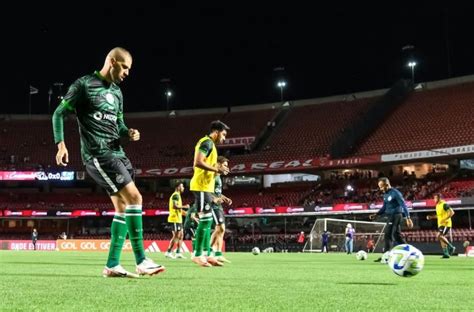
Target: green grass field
72	281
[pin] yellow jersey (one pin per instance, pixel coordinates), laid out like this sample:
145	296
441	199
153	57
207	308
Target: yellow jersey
442	213
203	180
175	215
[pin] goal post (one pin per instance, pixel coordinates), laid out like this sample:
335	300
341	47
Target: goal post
364	231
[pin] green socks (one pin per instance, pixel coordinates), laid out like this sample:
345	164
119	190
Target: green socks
118	233
203	229
133	217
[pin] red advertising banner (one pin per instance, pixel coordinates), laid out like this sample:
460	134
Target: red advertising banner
17	175
276	166
240	211
43	245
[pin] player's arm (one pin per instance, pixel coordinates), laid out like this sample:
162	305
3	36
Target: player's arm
431	217
176	204
378	213
226	199
200	158
217	200
66	107
124	131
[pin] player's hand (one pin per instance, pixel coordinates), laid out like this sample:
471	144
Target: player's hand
409	223
372	216
428	217
223	170
186	206
228	201
134	134
196	219
62	156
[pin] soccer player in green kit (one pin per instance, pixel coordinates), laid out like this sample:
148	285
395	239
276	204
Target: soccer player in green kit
97	101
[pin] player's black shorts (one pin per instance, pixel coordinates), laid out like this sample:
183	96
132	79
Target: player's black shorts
112	174
218	216
176	226
189	232
443	230
203	200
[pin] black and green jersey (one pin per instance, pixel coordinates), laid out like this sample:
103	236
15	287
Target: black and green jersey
217	191
98	106
189	223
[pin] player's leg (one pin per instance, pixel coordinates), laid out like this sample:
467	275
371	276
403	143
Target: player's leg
173	240
445	244
220	230
118	234
103	173
205	220
388	236
397	229
133	216
180	239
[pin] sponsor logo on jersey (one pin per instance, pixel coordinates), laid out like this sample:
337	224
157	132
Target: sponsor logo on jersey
104	116
119	178
109	98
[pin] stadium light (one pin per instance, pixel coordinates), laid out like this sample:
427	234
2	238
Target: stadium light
168	94
412	65
281	84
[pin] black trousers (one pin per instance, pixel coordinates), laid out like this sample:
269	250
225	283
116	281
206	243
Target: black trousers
393	231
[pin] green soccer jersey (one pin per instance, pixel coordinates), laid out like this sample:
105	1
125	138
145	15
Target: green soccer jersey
189	223
98	106
217	191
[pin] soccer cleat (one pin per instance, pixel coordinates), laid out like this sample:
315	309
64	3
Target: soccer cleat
118	271
179	256
223	259
149	267
201	261
445	257
169	255
378	260
214	262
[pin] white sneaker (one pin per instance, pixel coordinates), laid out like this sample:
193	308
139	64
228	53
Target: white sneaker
179	256
169	255
223	259
149	267
118	271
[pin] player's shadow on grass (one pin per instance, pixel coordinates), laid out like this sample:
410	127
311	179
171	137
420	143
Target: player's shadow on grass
52	263
52	275
367	283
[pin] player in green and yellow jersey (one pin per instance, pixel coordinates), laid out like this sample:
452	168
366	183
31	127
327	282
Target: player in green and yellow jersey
175	218
202	185
444	214
97	101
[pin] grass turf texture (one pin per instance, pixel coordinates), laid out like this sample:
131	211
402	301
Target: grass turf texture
72	281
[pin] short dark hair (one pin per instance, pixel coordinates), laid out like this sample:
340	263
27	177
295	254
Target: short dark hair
177	184
438	194
384	180
221	159
219	126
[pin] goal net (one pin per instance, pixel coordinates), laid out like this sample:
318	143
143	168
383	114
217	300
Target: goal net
336	229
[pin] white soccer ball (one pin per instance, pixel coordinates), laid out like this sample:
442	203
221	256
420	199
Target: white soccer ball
361	255
385	257
406	260
255	251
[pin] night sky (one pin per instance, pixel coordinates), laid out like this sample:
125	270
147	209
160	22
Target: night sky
224	55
